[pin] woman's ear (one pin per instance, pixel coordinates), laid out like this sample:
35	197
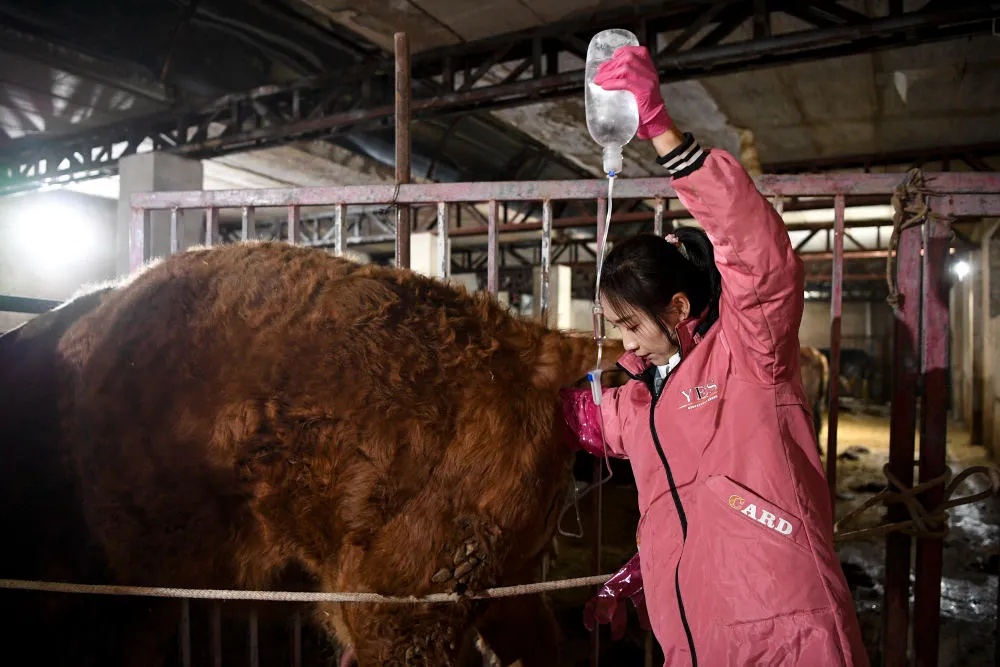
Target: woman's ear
682	305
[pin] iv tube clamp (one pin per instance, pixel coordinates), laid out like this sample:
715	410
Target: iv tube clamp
594	376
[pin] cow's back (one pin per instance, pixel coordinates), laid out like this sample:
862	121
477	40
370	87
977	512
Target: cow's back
256	407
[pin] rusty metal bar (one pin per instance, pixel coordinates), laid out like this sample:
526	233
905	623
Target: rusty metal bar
185	632
444	256
836	311
254	640
905	365
598	503
848	254
138	234
294	224
211	225
402	49
657	217
933	434
641	216
249	224
216	634
544	297
176	230
339	233
297	639
975	194
492	250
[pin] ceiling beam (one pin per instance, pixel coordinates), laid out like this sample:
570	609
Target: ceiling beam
337	105
974	155
123	76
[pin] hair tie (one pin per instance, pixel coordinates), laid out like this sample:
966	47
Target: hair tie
676	242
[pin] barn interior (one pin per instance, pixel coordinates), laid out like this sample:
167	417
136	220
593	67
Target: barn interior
100	102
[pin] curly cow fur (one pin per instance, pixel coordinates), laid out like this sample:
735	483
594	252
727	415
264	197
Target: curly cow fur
258	414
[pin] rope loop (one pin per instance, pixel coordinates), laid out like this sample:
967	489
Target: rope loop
923	523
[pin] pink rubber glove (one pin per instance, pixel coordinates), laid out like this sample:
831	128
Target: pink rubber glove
632	69
605	608
583	419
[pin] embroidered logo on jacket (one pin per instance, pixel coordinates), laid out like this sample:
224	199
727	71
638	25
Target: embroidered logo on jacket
695	397
761	516
736	498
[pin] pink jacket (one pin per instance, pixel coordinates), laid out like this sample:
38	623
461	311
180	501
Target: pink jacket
736	535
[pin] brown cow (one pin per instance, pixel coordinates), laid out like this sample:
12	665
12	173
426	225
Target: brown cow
815	371
256	414
42	530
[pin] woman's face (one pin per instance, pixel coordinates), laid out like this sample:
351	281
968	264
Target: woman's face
645	337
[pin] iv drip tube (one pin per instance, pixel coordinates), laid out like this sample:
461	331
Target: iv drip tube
594	376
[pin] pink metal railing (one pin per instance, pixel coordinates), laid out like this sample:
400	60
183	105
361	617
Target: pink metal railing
921	336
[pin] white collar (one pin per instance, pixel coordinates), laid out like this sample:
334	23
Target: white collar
670	365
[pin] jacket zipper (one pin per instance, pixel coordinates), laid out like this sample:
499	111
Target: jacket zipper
680	515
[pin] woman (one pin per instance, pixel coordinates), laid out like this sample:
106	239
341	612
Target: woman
736	541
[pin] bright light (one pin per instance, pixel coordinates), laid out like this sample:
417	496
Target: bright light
53	238
961	269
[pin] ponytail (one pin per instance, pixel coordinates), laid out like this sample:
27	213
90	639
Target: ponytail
698	249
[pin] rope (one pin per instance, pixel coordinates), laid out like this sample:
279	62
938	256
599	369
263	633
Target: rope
910	208
294	596
923	523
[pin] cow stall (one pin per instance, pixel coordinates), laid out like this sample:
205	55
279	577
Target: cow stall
919	489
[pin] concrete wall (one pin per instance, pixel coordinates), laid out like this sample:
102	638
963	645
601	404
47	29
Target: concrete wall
861	324
157	172
975	343
989	377
52	243
965	352
991	386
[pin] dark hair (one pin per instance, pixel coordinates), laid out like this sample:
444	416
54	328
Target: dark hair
644	273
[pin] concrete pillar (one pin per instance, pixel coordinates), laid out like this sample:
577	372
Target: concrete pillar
966	332
470	281
560	314
424	255
156	172
988	375
975	353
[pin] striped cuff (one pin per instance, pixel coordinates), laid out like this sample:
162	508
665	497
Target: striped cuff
684	159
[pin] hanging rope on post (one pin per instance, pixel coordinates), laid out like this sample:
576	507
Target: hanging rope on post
923	523
910	208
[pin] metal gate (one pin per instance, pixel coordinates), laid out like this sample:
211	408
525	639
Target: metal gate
921	307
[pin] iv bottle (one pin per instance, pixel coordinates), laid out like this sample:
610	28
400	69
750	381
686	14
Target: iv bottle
612	115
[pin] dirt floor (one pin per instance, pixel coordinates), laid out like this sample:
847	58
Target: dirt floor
971	554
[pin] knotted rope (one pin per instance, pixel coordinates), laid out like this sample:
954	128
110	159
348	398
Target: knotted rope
910	208
923	522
